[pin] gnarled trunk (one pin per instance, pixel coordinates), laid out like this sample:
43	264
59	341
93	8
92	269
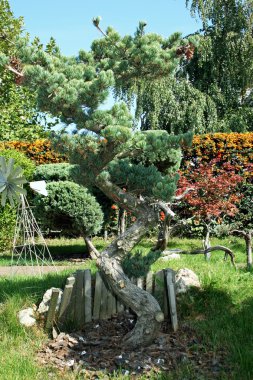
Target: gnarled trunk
147	309
163	238
247	235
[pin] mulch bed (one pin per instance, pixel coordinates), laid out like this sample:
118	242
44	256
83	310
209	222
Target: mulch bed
99	350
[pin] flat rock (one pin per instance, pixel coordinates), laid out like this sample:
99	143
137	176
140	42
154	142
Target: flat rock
44	305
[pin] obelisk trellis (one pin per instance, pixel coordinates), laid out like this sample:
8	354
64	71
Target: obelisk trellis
29	245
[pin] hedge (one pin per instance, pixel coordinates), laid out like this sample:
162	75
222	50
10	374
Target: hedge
39	151
225	146
205	147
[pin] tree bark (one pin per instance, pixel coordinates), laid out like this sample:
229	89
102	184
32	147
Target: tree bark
121	221
247	235
248	241
144	305
227	251
206	242
163	238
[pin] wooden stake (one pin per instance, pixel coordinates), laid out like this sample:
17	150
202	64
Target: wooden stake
149	282
159	288
87	296
103	305
52	308
170	280
97	296
64	307
79	299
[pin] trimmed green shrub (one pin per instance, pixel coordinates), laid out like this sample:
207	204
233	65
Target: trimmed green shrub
55	172
70	208
7	214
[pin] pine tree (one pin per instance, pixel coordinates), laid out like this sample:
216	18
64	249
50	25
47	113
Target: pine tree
109	153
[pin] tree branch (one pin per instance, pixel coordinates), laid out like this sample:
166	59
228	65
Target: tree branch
165	208
95	254
10	68
211	249
181	196
240	232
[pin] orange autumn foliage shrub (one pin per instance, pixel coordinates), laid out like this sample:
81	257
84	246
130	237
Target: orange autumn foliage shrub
224	145
236	148
40	151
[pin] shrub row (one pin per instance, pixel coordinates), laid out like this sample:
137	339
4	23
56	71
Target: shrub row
225	146
39	151
205	147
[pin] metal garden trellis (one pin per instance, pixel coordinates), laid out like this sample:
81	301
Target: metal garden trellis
29	245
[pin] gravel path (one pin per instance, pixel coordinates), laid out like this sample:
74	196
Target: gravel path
29	270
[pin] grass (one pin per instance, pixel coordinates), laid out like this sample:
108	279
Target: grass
221	313
60	249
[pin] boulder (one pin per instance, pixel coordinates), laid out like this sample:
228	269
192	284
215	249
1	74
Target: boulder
26	317
185	279
44	305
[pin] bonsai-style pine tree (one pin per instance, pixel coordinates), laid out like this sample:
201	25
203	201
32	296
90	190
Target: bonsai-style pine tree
109	153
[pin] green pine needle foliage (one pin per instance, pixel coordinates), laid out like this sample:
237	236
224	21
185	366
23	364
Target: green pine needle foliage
70	208
55	172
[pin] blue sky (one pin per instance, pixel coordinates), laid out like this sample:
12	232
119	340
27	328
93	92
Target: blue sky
69	21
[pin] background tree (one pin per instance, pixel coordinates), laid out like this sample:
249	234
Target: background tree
19	119
222	65
175	105
242	223
214	194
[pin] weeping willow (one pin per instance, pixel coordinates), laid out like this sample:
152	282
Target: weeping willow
176	106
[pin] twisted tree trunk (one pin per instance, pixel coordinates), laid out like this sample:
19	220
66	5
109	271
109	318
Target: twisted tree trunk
143	304
247	235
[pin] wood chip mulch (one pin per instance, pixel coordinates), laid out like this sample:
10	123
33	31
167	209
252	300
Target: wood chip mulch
100	350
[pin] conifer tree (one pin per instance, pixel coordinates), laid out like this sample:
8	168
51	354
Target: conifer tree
109	153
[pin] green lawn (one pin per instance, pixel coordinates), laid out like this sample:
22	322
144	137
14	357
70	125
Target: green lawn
221	313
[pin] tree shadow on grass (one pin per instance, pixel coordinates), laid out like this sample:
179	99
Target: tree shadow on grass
137	264
58	253
225	327
32	286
